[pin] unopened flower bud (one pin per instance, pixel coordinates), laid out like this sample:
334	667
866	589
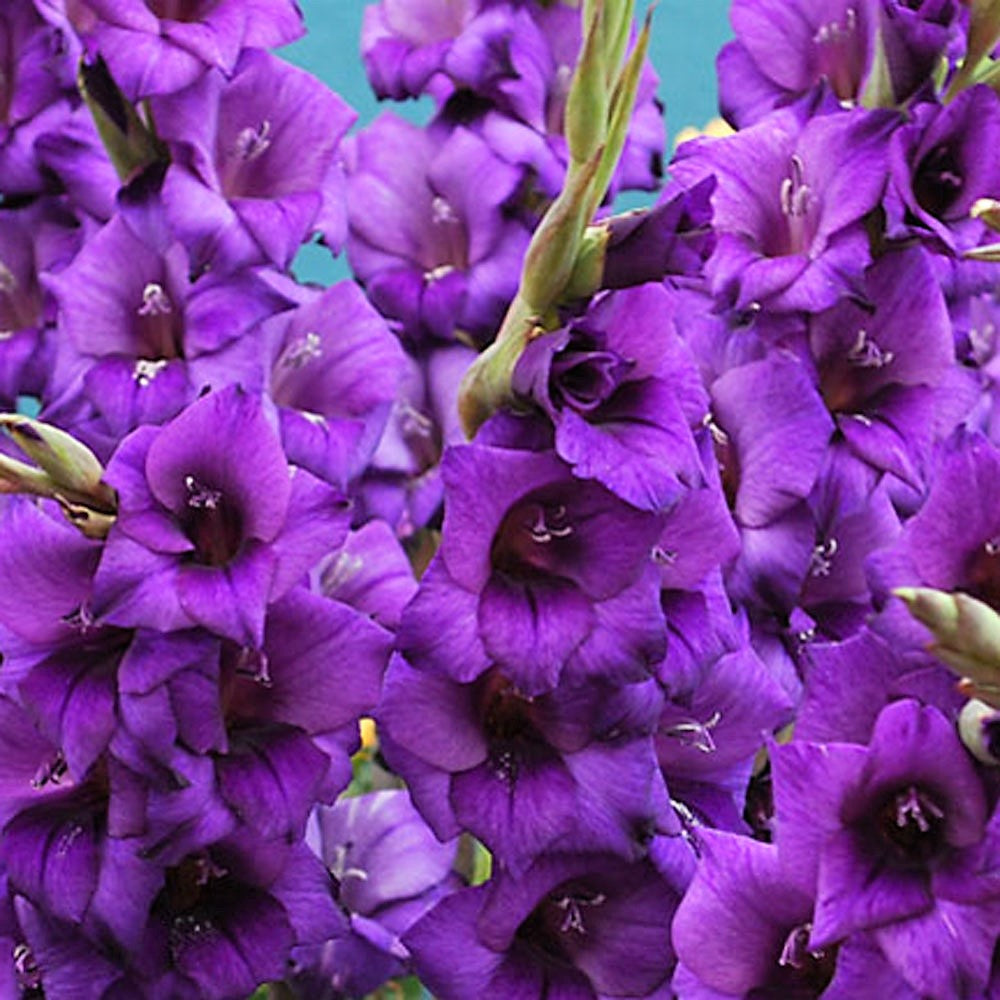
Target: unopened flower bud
979	728
71	465
68	472
967	636
987	210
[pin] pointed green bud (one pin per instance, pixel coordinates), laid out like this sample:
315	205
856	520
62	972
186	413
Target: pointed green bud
552	253
131	144
588	269
987	210
71	465
622	106
966	633
586	118
18	477
989	252
982	38
618	17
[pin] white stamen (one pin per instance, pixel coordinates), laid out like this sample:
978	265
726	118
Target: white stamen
665	557
833	33
696	734
441	211
145	371
821	561
155	301
253	664
253	142
51	772
441	271
342	570
572	907
911	805
866	353
302	351
201	497
543	532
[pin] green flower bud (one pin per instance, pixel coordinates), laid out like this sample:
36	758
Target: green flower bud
966	634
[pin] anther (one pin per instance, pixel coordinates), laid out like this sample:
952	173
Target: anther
201	497
155	301
821	560
866	353
145	371
253	142
304	350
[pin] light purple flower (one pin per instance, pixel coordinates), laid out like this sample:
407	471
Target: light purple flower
431	238
253	169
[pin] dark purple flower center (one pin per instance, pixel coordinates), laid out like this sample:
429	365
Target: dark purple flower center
911	823
29	978
799	974
536	538
212	522
509	722
557	928
159	327
186	904
583	376
839	52
982	573
181	10
938	180
991	736
848	379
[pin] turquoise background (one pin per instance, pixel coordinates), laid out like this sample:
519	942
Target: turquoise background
687	34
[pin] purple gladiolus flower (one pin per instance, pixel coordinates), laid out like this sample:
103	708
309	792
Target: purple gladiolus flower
37	69
623	394
518	771
139	339
785	49
877	379
539	573
388	870
742	930
431	237
403	45
212	524
335	374
939	169
886	833
586	926
789	206
161	46
254	168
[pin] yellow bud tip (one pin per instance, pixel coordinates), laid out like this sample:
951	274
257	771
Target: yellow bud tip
369	737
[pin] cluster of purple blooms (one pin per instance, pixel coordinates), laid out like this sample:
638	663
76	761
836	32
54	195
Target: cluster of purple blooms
636	640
